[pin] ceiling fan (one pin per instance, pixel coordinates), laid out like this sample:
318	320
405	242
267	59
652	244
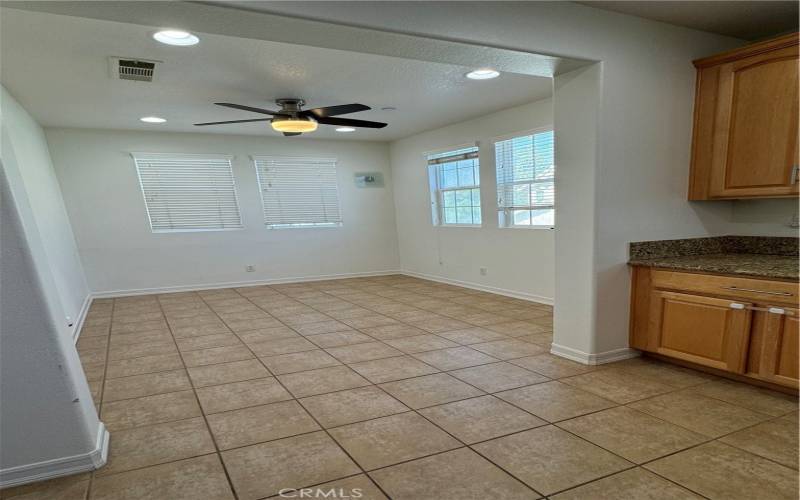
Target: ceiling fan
292	120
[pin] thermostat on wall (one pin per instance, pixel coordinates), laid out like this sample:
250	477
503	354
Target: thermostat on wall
369	179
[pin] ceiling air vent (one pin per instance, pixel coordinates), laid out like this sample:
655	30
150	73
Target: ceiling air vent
138	70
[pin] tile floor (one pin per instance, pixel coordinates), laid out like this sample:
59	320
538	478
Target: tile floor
408	389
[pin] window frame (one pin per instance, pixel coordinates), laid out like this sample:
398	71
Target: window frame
506	212
320	225
141	155
437	192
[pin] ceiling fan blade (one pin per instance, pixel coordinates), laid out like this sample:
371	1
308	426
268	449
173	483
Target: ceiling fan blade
247	108
233	121
292	134
335	110
347	122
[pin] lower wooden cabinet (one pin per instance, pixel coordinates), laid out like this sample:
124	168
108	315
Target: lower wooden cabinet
739	325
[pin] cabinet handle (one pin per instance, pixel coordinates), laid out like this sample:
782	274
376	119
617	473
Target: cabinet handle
767	292
771	310
736	305
795	174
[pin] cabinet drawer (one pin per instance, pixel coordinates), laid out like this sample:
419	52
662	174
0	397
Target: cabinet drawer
754	290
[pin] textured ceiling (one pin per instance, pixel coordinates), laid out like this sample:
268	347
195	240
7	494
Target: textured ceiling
57	66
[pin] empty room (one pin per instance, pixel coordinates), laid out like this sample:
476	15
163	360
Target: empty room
399	250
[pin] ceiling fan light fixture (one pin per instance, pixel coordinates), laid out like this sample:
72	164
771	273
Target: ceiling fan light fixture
176	37
483	74
300	124
152	119
345	129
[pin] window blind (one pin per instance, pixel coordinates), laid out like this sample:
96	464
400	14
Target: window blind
184	192
298	191
526	178
455	179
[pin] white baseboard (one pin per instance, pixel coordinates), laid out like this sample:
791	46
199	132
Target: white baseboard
484	288
66	466
231	284
76	327
593	359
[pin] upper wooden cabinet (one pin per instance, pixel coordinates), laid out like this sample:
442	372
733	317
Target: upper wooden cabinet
745	137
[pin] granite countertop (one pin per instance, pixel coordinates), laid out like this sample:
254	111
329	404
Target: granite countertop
760	257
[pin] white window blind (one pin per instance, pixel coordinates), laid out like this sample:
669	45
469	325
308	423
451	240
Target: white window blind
455	187
298	192
526	180
186	192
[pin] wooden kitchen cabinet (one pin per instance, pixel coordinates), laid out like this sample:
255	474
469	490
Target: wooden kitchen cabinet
745	136
743	326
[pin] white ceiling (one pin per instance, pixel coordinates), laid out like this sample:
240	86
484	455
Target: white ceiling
748	20
57	67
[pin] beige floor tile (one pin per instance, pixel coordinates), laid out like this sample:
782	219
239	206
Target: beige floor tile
157	444
549	459
92	342
236	395
267	334
363	352
138	350
338	339
299	361
455	475
544	339
481	418
390	440
430	390
454	358
142	326
554	401
421	343
676	376
388	369
618	386
353	487
472	335
354	405
517	328
247	426
754	398
719	471
707	416
322	327
498	377
394	331
63	488
264	469
509	349
149	410
140	366
139	337
200	477
313	382
199	330
417	316
244	325
553	366
92	355
208	341
440	325
137	386
94	371
216	355
633	435
224	373
776	439
369	321
632	484
282	346
303	318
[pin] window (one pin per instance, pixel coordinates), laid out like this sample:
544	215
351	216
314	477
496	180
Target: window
184	192
526	180
298	192
455	187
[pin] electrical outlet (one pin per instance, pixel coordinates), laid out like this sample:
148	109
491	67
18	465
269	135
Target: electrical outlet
794	222
250	269
484	271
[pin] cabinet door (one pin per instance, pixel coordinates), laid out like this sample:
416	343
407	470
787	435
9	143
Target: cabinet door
703	330
780	356
754	144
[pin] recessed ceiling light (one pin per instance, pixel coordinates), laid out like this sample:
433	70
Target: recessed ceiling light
176	37
152	119
345	129
483	74
388	108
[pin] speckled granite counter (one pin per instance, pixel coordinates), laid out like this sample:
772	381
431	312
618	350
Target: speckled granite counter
761	257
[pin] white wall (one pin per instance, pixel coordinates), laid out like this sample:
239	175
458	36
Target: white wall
518	260
47	409
120	253
764	217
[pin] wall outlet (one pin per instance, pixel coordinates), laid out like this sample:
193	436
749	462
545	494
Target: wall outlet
250	269
484	271
794	221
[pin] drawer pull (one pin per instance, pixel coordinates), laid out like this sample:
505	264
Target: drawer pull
767	292
736	305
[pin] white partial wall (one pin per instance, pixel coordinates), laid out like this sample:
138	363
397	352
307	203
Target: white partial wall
518	261
48	422
122	255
